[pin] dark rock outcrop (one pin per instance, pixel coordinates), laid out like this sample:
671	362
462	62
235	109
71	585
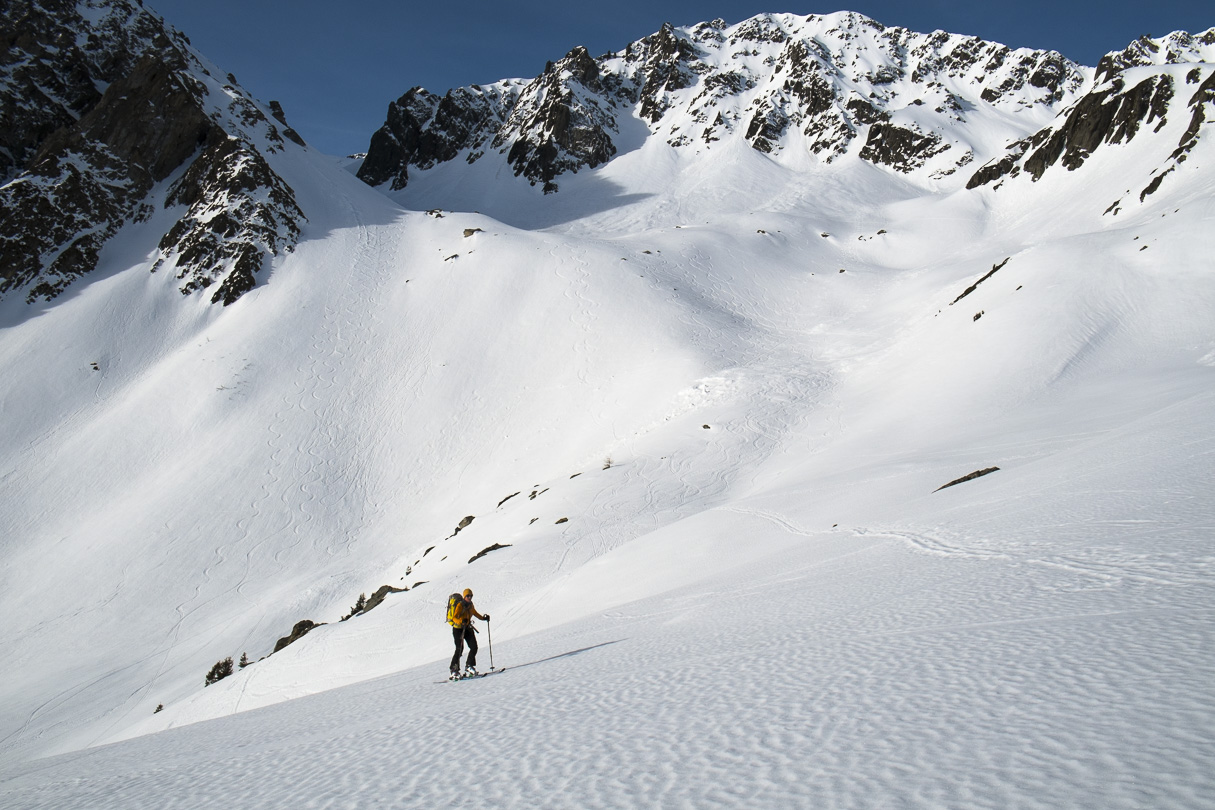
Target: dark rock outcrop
971	476
300	630
485	551
52	64
377	598
663	61
1112	115
79	164
805	75
553	127
865	113
1114	111
423	129
88	179
767	126
276	109
1109	114
899	147
1005	166
994	269
239	211
1198	105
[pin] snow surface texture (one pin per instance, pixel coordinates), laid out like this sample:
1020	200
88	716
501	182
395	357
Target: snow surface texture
757	596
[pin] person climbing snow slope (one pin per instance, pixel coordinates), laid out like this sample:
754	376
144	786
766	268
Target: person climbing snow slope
460	613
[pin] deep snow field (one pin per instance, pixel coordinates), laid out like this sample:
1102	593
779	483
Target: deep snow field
741	383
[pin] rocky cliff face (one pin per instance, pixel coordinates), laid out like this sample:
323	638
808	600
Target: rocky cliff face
424	129
558	124
1134	90
54	68
101	105
830	86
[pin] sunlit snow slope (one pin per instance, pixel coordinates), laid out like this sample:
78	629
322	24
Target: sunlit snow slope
705	405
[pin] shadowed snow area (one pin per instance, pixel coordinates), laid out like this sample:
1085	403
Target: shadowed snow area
704	409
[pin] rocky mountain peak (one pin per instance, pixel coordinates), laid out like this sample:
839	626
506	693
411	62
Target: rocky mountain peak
101	103
581	67
1176	48
832	86
560	122
1133	90
423	129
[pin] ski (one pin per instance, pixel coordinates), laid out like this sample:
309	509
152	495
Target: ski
473	677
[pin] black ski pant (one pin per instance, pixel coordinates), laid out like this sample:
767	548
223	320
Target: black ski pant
464	635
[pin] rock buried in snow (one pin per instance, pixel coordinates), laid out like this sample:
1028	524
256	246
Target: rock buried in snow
379	595
975	286
485	551
970	477
462	525
299	631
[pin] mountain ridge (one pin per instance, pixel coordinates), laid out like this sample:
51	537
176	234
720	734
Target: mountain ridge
758	77
828	87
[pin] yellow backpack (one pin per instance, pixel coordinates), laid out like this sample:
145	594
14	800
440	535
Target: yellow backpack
457	610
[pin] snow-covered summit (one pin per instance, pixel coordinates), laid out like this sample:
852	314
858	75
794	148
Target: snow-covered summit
1177	48
827	86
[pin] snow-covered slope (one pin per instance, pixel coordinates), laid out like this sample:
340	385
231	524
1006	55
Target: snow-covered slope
703	403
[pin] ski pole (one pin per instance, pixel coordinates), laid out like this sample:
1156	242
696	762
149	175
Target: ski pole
490	632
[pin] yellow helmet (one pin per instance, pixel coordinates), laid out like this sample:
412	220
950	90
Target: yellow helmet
468	593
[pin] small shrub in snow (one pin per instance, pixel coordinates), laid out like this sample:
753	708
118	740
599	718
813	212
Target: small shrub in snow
359	605
221	670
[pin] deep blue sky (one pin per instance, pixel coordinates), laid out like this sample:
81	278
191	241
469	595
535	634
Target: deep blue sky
336	71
